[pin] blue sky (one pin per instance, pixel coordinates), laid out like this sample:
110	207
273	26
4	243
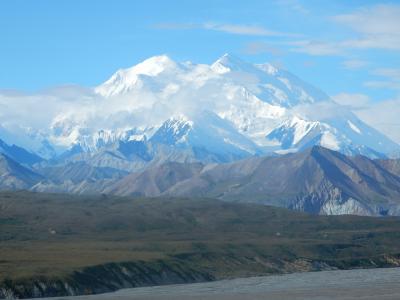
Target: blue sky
349	49
343	47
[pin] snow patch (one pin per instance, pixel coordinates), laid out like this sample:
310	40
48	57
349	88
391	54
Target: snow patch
354	127
329	140
349	207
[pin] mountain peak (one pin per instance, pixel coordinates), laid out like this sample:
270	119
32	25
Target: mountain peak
150	67
228	57
124	79
173	131
161	61
267	105
228	62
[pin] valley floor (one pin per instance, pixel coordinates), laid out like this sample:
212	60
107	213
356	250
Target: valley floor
367	284
63	245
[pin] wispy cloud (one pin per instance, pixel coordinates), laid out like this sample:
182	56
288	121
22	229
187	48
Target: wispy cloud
176	26
378	84
388	72
353	64
259	47
377	27
242	29
383	115
353	101
237	29
390	79
294	5
373	27
316	48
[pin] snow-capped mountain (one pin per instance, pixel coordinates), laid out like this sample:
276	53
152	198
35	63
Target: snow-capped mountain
340	133
270	107
206	134
163	127
125	80
162	110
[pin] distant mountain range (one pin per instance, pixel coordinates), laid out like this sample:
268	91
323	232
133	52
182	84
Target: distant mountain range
224	130
316	180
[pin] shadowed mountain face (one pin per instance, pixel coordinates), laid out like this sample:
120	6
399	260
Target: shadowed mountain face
157	180
318	180
392	165
15	176
77	172
19	154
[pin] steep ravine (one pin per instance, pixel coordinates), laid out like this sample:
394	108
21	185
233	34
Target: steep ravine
113	276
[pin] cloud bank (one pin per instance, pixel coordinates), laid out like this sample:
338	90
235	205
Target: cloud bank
383	115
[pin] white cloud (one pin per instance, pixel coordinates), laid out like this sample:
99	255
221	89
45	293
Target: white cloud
353	101
376	84
242	29
377	26
373	27
391	79
388	72
316	48
175	26
383	115
353	64
38	109
261	47
294	5
237	29
26	118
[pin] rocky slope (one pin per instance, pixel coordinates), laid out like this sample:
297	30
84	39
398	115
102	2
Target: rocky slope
317	180
14	176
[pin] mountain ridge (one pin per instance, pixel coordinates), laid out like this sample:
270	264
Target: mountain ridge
14	176
268	106
247	90
316	180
